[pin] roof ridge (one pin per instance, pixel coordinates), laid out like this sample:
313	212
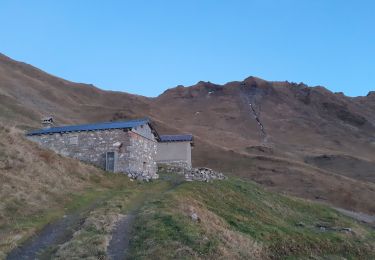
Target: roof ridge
91	127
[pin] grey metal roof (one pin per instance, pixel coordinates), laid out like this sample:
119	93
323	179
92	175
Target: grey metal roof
94	127
176	138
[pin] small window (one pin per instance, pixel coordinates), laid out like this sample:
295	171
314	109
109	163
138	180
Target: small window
73	139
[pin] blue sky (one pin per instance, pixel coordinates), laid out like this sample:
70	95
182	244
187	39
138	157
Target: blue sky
145	47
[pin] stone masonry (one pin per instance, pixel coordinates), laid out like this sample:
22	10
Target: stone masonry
134	150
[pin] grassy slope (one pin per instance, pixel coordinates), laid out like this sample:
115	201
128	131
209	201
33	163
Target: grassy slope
238	219
38	186
241	220
291	177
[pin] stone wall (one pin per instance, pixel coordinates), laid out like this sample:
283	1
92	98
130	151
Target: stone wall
178	164
194	174
141	155
135	154
204	174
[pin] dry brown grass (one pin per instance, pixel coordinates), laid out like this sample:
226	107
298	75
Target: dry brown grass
33	181
291	177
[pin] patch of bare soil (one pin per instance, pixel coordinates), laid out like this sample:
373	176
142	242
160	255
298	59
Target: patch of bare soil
52	235
119	244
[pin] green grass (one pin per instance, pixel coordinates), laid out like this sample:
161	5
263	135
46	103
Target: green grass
107	193
90	241
284	227
159	234
238	220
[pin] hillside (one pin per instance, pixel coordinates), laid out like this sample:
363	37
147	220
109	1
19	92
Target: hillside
239	220
28	93
35	186
295	139
301	140
234	220
292	119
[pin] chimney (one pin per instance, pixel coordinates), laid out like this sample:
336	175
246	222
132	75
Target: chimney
47	122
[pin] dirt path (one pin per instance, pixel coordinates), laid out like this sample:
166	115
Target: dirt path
362	217
46	242
52	235
119	245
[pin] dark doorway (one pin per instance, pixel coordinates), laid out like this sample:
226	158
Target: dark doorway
144	166
110	161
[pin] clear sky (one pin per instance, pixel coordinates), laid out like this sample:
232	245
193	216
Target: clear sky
145	47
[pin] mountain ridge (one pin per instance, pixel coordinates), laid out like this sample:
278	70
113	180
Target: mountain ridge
17	63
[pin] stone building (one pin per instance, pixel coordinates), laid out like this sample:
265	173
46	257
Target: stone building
175	150
133	147
126	147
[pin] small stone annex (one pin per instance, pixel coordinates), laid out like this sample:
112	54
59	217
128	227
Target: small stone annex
133	147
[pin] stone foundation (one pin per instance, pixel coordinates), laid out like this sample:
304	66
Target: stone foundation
177	164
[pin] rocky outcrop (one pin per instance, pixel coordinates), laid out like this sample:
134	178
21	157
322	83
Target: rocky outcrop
252	95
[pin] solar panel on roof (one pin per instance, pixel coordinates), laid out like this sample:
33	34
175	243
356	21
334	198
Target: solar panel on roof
91	127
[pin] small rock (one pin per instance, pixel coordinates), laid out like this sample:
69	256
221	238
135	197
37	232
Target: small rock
195	217
117	144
